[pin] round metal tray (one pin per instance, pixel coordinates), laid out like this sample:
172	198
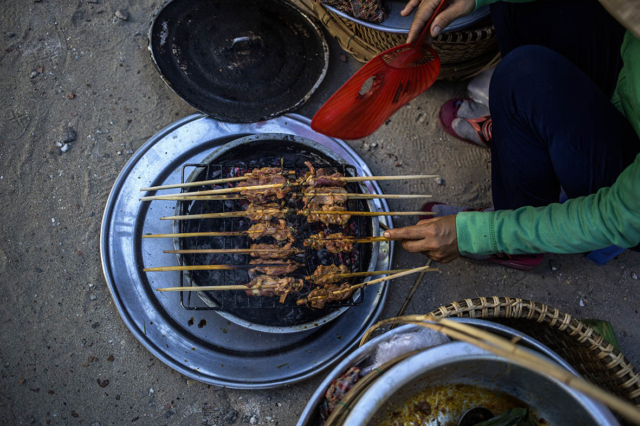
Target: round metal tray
220	352
398	24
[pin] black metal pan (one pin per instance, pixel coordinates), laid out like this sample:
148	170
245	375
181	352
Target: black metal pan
239	61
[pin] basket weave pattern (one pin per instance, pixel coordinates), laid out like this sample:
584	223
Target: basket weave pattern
462	54
592	356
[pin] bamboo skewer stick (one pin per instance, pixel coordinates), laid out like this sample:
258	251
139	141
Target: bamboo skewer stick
178	197
215	191
355	240
354	196
203	182
203	234
210	267
370	178
278	185
290	211
208	288
507	349
226	214
232	251
351	213
362	274
367	283
244	287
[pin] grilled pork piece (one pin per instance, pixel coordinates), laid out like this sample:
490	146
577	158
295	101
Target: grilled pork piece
265	176
316	178
280	231
334	243
265	285
281	253
337	197
280	267
266	212
320	296
326	275
327	219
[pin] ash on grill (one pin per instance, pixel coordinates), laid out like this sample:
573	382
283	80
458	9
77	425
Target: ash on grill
292	230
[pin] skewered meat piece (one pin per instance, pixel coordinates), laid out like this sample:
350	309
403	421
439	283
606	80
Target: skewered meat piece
280	267
265	176
320	296
338	196
281	253
266	212
327	219
315	178
326	275
280	232
265	285
334	243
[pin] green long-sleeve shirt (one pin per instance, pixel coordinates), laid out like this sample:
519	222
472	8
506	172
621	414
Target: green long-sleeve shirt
610	216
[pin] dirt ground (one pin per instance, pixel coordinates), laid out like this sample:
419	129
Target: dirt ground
72	73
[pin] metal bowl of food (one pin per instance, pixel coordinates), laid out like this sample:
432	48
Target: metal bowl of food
258	149
437	387
362	357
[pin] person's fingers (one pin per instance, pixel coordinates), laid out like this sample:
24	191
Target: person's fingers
447	16
406	233
420	20
410	7
416	246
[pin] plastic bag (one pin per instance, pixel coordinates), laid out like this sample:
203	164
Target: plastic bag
403	343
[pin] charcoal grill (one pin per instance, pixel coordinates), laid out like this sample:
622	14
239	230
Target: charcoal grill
208	345
266	313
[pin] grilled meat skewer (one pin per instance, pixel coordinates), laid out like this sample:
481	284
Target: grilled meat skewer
276	253
273	267
265	285
280	232
265	176
318	297
334	243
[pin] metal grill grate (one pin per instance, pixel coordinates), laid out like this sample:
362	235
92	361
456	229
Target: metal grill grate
357	226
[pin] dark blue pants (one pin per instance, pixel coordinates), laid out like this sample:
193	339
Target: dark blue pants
554	125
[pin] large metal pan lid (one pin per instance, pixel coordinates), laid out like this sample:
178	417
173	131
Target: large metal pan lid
239	61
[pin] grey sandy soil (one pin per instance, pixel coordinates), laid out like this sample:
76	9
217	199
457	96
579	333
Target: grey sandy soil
67	357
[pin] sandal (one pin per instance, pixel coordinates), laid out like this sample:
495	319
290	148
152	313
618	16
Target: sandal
483	126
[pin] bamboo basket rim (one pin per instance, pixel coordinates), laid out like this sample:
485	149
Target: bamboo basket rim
611	360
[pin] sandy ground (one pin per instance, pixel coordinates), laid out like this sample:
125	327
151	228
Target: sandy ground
71	72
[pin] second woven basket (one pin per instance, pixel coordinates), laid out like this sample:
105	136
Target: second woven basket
463	54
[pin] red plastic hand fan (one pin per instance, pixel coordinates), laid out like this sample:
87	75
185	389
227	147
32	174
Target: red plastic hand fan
396	75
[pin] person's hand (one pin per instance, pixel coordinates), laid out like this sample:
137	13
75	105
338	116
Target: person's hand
435	238
455	10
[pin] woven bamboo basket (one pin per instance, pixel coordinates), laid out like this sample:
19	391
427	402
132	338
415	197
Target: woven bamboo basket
593	357
463	54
